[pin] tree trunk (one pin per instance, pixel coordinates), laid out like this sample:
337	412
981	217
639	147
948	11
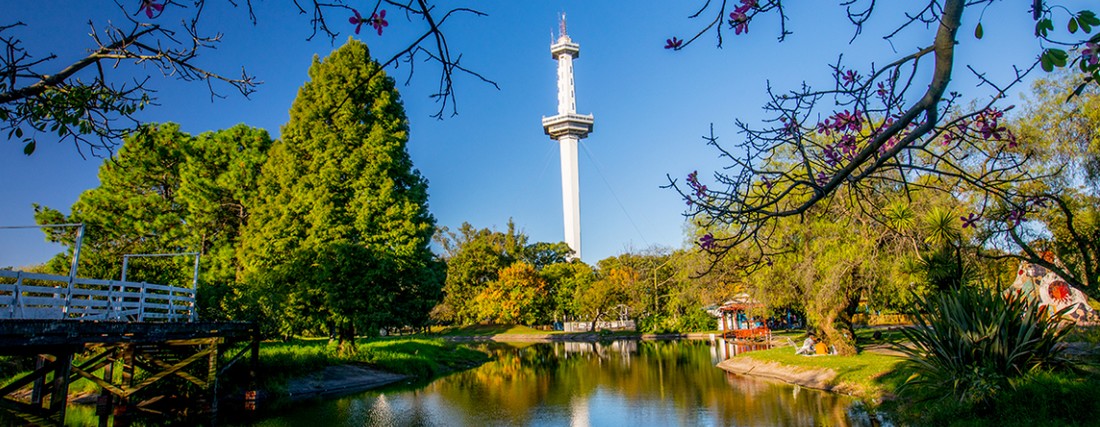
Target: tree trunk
346	337
594	320
837	335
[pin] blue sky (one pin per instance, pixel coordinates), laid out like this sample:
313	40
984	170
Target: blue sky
492	161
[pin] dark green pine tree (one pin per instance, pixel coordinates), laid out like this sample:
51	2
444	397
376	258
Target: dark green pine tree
340	238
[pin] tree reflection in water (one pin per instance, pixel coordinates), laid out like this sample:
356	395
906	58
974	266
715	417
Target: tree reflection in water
615	383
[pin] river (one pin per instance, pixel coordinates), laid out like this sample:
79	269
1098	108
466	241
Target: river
583	384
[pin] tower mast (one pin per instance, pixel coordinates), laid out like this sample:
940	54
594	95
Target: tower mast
568	127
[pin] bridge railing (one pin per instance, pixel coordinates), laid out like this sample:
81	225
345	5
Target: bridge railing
42	296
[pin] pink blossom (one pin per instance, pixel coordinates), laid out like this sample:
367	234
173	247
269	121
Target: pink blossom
850	77
356	20
378	21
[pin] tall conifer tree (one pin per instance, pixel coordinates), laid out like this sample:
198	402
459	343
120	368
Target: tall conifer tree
340	237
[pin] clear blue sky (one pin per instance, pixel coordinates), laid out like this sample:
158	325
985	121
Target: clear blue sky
492	162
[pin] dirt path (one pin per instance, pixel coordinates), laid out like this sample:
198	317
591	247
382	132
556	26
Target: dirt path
818	378
338	380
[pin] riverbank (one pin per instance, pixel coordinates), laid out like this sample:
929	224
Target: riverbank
305	368
871	375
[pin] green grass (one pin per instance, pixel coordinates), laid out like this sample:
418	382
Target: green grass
870	374
417	357
1042	398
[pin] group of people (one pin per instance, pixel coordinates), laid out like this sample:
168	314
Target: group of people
810	346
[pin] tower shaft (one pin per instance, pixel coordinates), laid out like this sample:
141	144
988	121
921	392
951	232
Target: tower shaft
571	192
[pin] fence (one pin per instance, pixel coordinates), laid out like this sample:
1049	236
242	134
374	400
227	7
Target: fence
43	296
613	325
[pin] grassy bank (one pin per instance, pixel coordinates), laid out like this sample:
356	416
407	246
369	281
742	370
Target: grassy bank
417	357
869	375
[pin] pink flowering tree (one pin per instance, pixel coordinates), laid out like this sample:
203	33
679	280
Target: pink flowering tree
85	102
875	130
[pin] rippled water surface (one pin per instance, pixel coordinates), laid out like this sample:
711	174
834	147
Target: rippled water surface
581	384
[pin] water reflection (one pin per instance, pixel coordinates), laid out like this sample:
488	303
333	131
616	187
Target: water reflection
583	384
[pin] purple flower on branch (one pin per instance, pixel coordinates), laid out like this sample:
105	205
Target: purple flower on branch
149	6
1015	217
357	20
378	21
673	43
1091	53
850	77
970	220
739	18
707	241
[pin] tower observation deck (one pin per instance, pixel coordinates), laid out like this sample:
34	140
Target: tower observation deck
568	127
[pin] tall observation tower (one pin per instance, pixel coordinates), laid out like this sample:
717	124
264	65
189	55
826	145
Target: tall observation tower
568	127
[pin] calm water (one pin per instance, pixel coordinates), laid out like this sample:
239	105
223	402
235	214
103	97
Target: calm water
581	384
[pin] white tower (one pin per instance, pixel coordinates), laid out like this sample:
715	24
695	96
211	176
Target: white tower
568	127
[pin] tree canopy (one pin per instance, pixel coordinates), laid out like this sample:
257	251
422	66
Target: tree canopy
340	184
876	130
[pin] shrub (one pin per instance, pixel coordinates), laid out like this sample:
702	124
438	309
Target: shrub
969	343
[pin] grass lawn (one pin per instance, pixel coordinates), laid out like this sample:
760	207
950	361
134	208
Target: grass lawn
419	357
871	373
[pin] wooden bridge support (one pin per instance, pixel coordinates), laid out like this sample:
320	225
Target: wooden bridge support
192	364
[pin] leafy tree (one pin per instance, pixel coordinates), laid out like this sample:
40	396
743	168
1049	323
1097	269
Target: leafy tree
596	298
477	257
341	178
474	258
874	129
519	295
563	280
136	209
168	192
1058	211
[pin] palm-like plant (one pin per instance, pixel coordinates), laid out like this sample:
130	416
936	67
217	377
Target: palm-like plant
968	342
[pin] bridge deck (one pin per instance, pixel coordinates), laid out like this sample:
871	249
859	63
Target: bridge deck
20	336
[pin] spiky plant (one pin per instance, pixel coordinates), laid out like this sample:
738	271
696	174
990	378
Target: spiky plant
968	343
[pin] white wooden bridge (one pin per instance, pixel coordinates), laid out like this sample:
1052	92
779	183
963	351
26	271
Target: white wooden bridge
47	297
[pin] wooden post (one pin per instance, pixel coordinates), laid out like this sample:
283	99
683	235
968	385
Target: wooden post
212	376
127	370
59	396
39	383
141	304
106	399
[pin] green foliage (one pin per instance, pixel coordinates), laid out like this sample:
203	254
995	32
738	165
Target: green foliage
969	342
1061	137
598	297
474	288
423	358
167	192
1036	398
519	295
563	280
339	202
